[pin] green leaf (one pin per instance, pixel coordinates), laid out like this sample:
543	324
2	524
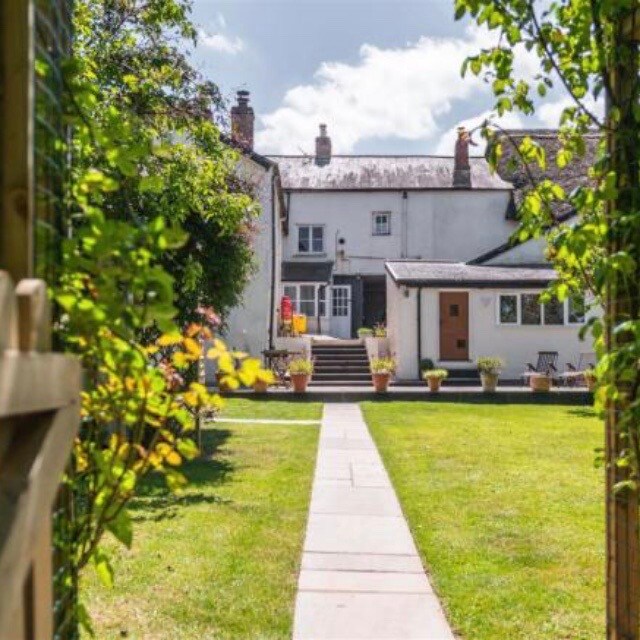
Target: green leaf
122	528
103	567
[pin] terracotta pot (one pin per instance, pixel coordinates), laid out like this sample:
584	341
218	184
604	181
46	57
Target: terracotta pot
300	382
540	383
380	381
260	386
434	384
489	381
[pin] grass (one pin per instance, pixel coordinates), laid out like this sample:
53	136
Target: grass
221	561
507	510
272	409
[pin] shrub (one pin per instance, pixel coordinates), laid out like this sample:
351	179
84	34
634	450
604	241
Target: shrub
301	365
441	374
383	365
365	332
427	364
490	364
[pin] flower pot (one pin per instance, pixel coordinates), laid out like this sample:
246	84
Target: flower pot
591	383
434	384
300	382
380	381
540	383
260	386
489	381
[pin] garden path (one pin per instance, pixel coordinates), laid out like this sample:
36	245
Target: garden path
361	576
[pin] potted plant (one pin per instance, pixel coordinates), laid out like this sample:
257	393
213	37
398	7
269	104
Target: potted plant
540	382
489	368
590	379
379	331
300	370
262	381
381	371
365	332
434	378
426	364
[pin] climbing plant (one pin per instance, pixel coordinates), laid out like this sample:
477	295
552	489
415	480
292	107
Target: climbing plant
588	52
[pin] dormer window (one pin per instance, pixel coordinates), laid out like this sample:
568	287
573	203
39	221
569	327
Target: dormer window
310	238
381	223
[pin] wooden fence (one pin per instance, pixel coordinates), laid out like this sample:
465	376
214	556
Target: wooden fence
39	417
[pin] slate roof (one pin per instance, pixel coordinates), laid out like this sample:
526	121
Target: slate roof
458	274
380	173
306	271
569	177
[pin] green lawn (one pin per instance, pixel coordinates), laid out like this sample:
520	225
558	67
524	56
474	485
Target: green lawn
506	507
222	560
293	409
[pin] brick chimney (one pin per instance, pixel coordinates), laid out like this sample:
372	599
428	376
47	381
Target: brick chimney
323	147
461	168
242	119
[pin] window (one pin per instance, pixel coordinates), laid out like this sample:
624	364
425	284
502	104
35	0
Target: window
530	309
553	312
575	310
310	239
307	304
508	312
381	223
307	298
526	309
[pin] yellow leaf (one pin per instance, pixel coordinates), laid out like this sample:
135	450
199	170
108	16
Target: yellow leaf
168	339
174	458
193	347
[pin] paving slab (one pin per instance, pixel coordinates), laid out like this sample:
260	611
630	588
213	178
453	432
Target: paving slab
361	576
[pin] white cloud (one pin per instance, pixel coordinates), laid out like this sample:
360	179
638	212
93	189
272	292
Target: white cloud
221	43
549	113
403	92
447	140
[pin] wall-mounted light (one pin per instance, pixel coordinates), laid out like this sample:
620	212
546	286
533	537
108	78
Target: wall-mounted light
405	292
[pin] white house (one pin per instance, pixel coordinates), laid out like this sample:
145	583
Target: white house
348	215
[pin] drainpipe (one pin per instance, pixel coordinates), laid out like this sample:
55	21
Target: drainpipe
274	223
404	222
419	336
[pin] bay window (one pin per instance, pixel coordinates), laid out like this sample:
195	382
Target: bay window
308	299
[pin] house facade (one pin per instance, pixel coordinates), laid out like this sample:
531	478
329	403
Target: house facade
348	215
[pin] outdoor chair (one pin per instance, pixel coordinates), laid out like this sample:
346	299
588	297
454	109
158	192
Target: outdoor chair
573	375
546	364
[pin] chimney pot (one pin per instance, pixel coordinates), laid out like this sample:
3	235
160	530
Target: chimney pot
461	166
323	147
242	120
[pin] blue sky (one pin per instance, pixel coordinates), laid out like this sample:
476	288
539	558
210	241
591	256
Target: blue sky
383	74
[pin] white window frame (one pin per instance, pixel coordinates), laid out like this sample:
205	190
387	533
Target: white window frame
374	227
311	227
316	298
519	323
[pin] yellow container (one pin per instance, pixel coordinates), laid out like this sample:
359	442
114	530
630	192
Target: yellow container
299	323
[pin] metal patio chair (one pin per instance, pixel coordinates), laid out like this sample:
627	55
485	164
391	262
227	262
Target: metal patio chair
573	375
546	364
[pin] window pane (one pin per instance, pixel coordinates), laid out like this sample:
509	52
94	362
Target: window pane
308	308
303	239
530	308
554	312
381	224
318	233
322	300
576	309
508	309
292	292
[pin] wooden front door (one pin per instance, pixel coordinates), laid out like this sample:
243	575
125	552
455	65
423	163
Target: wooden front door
454	325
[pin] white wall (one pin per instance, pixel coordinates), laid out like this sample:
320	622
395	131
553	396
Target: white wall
530	252
517	345
441	225
248	323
